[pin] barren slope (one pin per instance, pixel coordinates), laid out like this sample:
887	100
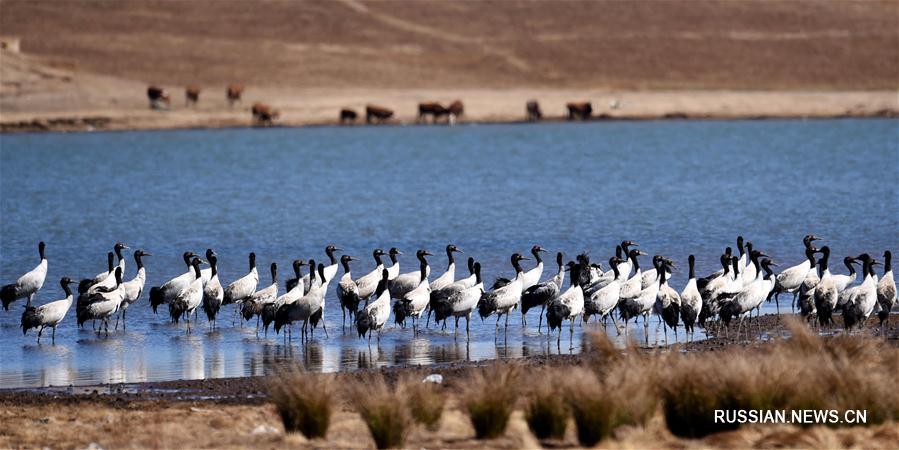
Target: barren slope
816	45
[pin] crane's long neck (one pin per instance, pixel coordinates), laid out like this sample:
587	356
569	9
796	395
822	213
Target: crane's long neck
692	269
887	262
346	267
450	259
66	289
378	260
423	268
213	263
140	263
636	263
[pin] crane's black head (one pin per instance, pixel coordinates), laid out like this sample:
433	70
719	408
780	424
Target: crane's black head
297	263
330	249
452	248
422	253
740	243
691	260
311	269
186	256
395	251
728	251
120	246
210	253
725	262
347	258
65	281
141	253
40	248
274	270
477	272
569	265
537	249
252	260
516	257
634	253
378	252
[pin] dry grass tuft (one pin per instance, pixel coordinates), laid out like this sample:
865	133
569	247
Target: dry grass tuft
304	401
546	412
490	397
624	396
804	372
383	411
426	401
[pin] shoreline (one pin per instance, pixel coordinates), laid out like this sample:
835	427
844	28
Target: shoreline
250	389
317	108
239	412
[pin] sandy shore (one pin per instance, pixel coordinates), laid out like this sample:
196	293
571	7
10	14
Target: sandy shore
301	107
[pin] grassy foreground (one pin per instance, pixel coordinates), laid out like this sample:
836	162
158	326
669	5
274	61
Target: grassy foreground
606	397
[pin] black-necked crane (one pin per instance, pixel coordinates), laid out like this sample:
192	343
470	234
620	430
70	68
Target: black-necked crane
213	293
691	301
502	299
48	315
541	293
26	285
886	290
134	287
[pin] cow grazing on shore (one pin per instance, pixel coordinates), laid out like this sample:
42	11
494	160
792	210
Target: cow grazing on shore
158	98
233	93
377	113
579	110
433	109
348	116
456	109
191	95
264	114
532	111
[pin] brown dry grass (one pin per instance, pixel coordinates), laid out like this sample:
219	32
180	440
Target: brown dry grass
426	401
383	410
490	397
304	400
614	395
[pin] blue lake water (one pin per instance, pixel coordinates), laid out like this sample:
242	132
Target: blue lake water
676	187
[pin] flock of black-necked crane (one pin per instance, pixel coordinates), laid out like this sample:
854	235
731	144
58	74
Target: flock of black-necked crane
624	291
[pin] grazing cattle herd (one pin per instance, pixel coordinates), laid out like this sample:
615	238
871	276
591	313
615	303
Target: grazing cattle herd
428	112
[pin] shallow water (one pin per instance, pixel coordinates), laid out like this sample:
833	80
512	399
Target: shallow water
676	187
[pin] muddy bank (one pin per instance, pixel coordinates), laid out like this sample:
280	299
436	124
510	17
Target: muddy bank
321	108
253	390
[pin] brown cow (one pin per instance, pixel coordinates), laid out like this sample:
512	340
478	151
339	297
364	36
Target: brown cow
233	93
379	113
264	114
347	116
191	95
533	112
579	110
434	109
158	98
456	109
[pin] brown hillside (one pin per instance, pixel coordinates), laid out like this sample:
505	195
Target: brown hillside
833	45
